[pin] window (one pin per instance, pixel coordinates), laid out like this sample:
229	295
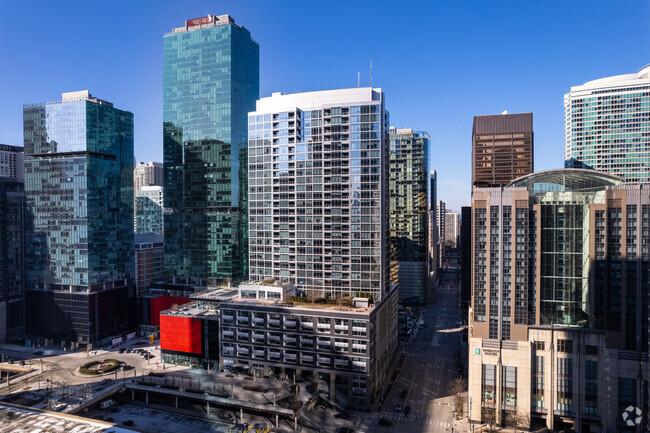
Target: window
489	383
591	350
565	346
509	391
539	345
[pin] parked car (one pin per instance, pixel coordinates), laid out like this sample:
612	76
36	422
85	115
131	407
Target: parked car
38	353
128	422
122	350
384	421
407	410
404	393
345	416
398	408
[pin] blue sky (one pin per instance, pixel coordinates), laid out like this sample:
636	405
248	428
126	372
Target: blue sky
439	62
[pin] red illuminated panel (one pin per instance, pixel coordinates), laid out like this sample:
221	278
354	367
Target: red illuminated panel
182	334
162	303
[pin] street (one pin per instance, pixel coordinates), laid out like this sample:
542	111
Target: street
431	364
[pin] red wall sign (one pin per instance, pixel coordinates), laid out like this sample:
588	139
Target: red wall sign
182	334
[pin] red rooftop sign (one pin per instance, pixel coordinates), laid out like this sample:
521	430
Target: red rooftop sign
199	21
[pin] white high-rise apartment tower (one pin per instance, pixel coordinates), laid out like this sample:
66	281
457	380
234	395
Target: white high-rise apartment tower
318	185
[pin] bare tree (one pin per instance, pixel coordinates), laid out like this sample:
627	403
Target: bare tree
489	416
518	419
458	385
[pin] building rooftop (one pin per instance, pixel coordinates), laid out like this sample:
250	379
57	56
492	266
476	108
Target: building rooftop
192	309
281	102
566	179
205	22
625	80
148	238
22	419
80	95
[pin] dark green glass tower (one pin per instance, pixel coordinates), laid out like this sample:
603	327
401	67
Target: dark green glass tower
210	83
409	189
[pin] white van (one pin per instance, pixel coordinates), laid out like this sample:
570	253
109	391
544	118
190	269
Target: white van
106	404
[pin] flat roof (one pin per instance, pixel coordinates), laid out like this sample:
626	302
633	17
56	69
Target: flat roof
17	418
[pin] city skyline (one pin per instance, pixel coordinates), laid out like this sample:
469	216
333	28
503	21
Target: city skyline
438	99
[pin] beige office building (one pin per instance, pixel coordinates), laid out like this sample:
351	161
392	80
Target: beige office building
558	323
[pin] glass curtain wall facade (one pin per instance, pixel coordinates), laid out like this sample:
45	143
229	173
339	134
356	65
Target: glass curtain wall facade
210	83
607	126
409	199
318	191
12	256
149	210
79	193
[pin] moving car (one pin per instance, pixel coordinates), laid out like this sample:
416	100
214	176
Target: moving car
398	408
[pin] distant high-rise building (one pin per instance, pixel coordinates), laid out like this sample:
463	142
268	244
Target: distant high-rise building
318	201
409	202
434	256
11	162
79	224
149	210
607	126
149	174
149	260
502	148
12	256
465	254
558	326
452	229
441	212
210	83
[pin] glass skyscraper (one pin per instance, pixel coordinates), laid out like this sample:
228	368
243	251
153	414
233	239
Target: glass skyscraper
79	224
607	126
409	202
318	183
210	83
12	256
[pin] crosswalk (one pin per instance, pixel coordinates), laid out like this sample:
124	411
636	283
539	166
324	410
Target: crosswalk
369	425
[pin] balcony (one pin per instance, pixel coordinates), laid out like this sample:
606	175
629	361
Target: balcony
259	321
324	344
258	336
324	360
274	339
274	354
274	322
228	318
290	340
228	352
289	323
307	359
242	351
307	342
258	353
228	333
291	357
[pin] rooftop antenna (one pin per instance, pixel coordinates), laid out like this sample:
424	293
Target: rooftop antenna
371	73
358	79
